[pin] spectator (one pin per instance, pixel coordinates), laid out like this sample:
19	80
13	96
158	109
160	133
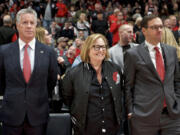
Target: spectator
150	7
48	13
40	34
167	23
68	30
72	13
169	39
100	25
113	18
174	26
115	26
48	39
93	13
80	35
83	24
67	60
7	33
117	51
54	29
61	46
78	43
173	21
83	9
62	12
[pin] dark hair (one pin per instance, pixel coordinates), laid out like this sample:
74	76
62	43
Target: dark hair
146	19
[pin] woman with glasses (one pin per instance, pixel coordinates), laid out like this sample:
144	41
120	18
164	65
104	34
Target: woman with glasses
93	91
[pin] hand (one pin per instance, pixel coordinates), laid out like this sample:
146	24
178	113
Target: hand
58	77
129	115
60	60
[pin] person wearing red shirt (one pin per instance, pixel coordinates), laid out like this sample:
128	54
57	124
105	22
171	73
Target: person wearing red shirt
113	17
115	26
61	13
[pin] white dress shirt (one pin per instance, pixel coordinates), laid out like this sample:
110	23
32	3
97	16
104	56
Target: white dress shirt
152	51
31	52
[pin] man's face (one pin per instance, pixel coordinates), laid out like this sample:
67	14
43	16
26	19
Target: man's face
27	27
71	52
153	32
62	45
126	34
167	23
120	16
100	16
173	21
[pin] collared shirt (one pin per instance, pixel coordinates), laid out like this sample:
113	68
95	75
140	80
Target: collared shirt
31	52
152	51
101	119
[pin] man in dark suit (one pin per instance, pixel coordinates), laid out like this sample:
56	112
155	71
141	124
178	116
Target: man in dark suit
28	71
152	84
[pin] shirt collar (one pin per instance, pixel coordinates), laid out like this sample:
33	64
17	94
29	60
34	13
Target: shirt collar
151	46
31	44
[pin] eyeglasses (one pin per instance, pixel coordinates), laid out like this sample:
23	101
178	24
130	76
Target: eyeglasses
99	47
156	27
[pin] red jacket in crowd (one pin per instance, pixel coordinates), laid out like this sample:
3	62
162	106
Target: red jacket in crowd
114	30
62	10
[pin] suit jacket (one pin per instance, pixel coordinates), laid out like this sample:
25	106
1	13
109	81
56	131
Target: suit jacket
117	55
21	98
144	90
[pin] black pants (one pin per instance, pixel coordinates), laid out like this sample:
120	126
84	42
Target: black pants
24	129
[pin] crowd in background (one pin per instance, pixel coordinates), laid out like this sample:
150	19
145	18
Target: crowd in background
65	25
78	19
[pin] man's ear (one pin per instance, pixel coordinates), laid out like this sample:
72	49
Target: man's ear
143	30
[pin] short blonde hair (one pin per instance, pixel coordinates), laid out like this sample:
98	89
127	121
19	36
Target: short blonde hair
40	34
88	44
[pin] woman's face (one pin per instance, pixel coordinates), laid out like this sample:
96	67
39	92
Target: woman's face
98	51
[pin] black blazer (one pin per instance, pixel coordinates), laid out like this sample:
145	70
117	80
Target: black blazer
30	99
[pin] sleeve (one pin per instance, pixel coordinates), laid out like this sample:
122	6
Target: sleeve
2	74
177	76
129	79
67	89
52	72
113	27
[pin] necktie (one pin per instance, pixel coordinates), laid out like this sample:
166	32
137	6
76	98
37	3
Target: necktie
160	66
26	64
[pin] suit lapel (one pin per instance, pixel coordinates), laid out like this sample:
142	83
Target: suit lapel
37	59
16	60
165	57
143	51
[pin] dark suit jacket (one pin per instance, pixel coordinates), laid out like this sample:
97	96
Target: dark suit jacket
30	99
144	90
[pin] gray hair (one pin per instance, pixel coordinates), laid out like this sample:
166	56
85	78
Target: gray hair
7	20
26	11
